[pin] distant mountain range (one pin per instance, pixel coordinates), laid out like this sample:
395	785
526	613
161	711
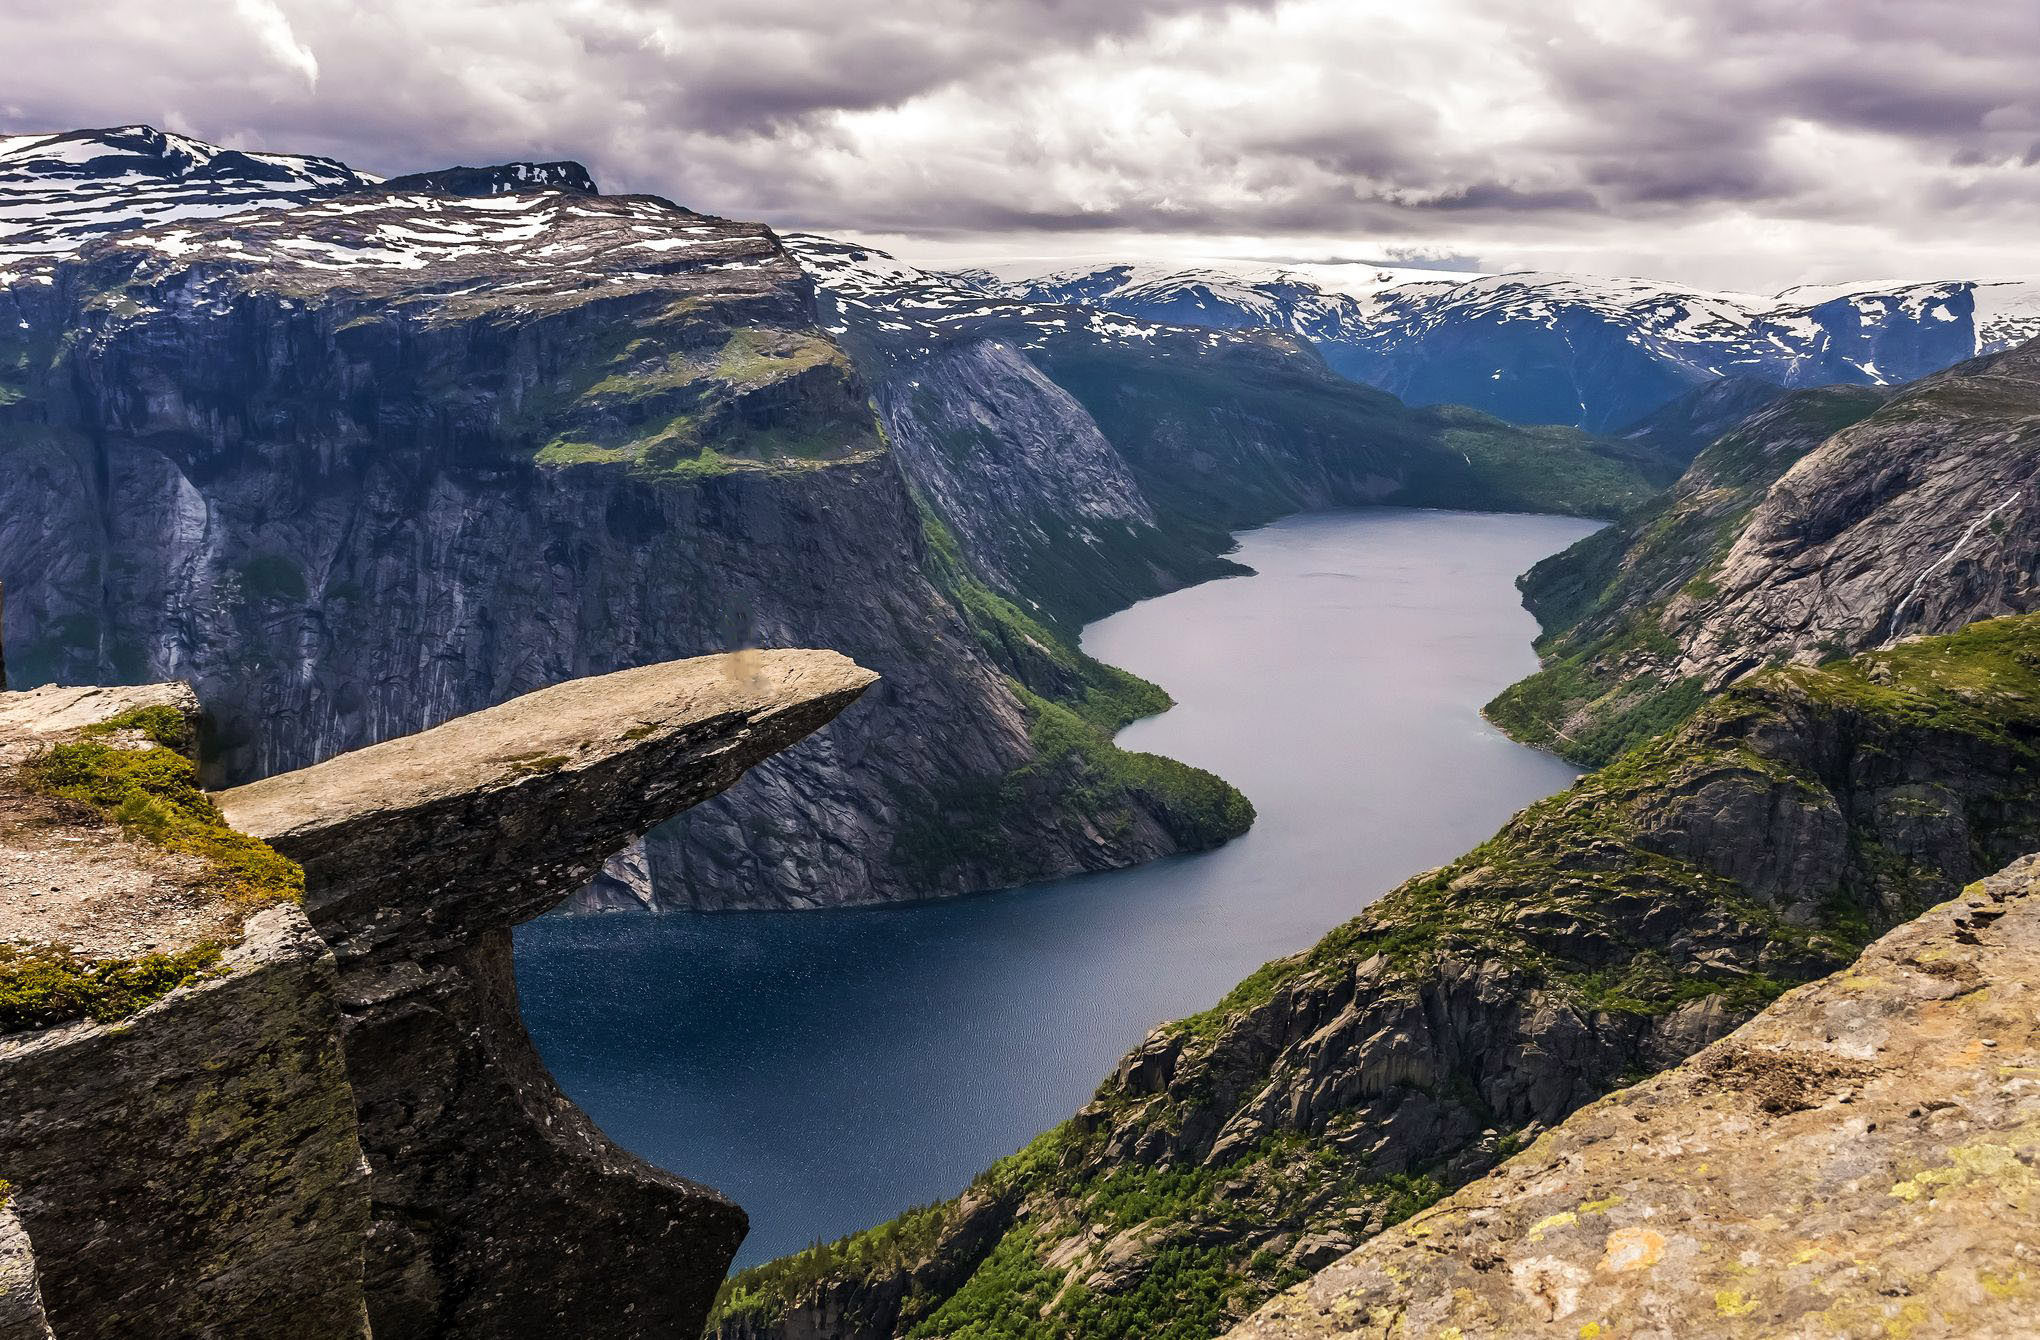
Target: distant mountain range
1597	354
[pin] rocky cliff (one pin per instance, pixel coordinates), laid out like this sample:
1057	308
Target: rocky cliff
1857	1160
354	457
372	456
1603	935
277	1085
1826	523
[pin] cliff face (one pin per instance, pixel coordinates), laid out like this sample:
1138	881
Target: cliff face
371	458
321	1114
1856	1160
1824	524
1605	934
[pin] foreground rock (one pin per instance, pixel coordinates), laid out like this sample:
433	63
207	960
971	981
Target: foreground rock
337	1121
176	1124
1858	1160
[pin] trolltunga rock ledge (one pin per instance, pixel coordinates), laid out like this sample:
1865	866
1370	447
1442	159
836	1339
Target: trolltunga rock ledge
342	1127
497	1208
1861	1159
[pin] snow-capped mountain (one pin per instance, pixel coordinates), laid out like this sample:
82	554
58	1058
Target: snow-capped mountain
1549	348
895	311
57	190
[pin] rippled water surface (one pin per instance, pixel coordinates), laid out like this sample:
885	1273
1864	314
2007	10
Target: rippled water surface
827	1069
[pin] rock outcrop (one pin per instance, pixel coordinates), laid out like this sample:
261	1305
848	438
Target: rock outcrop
325	1119
1606	933
1857	1160
1827	523
21	1310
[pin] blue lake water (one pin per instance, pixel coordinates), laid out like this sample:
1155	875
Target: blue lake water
828	1069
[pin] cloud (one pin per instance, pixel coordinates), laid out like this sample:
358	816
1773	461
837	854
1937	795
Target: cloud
1732	142
273	30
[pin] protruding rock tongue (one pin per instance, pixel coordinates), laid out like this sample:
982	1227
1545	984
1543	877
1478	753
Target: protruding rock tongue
418	843
500	1210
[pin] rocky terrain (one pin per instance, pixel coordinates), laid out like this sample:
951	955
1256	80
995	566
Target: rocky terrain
1824	523
1605	934
319	1114
1858	1160
1594	353
354	457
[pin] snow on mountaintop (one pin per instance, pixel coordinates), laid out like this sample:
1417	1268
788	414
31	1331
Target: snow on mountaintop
911	310
60	190
512	247
1721	330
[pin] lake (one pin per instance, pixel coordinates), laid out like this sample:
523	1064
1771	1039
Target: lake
828	1069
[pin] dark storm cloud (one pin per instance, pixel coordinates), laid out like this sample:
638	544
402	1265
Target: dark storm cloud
1464	123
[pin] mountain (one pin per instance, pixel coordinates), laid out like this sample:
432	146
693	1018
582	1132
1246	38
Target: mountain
63	189
360	463
1604	934
1824	1152
1828	522
1597	354
354	457
1199	430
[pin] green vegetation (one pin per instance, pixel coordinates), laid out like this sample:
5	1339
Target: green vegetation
680	398
49	985
153	794
1074	703
273	577
1348	442
1200	808
534	765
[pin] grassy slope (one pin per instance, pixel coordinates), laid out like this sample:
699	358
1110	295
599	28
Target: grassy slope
1584	903
151	791
1198	435
1074	704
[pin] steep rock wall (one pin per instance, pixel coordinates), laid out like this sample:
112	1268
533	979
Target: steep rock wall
1824	524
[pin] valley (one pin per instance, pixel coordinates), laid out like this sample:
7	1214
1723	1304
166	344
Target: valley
1044	789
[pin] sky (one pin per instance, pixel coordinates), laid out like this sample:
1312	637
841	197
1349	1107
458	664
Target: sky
1737	144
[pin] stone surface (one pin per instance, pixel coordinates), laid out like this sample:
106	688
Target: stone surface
1858	1160
1823	524
193	1171
1921	519
499	1209
21	1309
